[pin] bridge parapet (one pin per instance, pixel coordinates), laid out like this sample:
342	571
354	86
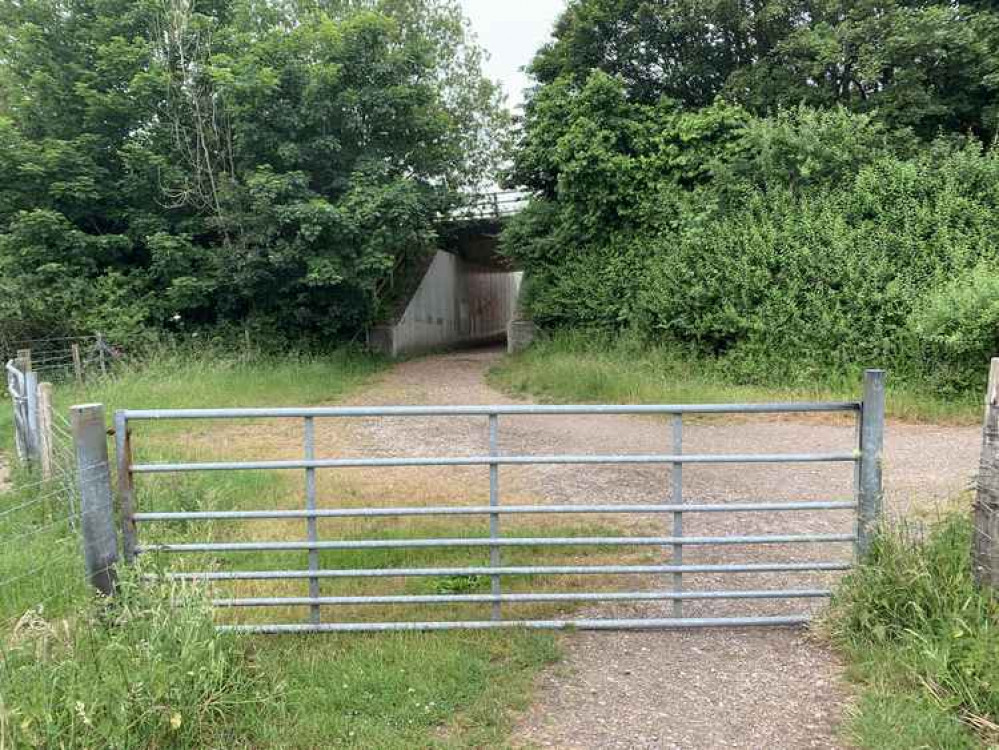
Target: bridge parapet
492	206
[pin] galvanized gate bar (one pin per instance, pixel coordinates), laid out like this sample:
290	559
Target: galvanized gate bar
468	411
495	558
31	409
676	476
865	458
16	387
22	385
645	624
299	601
581	541
312	527
511	570
344	463
460	510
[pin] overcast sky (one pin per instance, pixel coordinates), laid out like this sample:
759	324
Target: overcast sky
511	31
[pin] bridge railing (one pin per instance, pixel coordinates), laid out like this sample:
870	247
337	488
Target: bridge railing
495	205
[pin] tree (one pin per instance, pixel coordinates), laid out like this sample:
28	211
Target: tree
929	66
232	159
684	49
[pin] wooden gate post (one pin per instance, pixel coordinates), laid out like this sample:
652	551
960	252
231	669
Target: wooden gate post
985	549
77	362
45	446
100	543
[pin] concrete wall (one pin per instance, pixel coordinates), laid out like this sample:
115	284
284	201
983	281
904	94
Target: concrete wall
456	303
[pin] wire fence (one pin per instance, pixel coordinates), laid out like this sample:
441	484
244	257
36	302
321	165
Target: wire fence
58	358
41	571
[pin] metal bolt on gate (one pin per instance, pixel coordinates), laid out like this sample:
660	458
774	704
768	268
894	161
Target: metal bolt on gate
866	503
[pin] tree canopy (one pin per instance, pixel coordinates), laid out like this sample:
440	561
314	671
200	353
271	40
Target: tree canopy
226	161
927	65
790	187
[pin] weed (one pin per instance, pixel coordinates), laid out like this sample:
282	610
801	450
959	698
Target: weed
461	584
148	670
921	639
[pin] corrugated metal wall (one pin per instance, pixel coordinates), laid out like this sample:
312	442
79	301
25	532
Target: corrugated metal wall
456	303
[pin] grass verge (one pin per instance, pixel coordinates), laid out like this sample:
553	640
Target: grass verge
147	671
153	673
220	378
584	367
922	642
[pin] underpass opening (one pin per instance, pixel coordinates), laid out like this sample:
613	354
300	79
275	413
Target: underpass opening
467	294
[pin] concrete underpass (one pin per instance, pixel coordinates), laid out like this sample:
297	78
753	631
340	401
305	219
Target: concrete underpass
467	295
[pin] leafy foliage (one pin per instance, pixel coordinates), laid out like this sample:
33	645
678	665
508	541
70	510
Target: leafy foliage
790	245
923	65
956	327
229	160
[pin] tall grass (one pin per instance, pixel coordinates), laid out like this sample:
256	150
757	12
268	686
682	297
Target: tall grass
922	640
210	376
151	672
397	691
585	366
147	670
222	378
41	569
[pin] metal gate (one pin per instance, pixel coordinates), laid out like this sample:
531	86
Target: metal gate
666	576
22	385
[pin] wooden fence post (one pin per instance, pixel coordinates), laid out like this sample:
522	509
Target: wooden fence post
100	543
24	355
100	353
45	446
77	363
985	551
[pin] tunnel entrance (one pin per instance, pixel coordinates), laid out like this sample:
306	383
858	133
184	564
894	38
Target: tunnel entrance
467	295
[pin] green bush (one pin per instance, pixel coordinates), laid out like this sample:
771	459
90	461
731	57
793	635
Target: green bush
829	278
148	670
956	329
330	138
914	623
792	247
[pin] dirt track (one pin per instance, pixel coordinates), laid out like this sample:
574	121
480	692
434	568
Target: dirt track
774	688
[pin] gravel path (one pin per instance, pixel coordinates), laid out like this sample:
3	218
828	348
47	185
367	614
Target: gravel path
773	688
